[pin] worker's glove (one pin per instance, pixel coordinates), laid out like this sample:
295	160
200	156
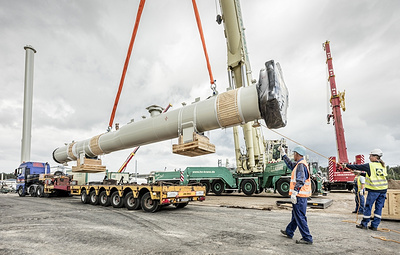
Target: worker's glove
293	197
282	150
362	192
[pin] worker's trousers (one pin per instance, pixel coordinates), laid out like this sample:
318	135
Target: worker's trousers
299	219
379	199
360	201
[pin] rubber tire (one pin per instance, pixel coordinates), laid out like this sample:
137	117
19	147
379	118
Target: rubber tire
131	203
39	191
313	187
181	205
21	192
148	204
104	200
32	191
248	187
116	200
283	186
93	198
207	185
217	187
84	197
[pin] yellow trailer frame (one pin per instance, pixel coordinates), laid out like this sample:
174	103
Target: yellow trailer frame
150	198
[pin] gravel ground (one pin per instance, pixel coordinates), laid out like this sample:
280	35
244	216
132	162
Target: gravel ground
219	225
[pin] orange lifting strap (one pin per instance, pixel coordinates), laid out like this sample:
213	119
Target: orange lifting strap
196	12
128	55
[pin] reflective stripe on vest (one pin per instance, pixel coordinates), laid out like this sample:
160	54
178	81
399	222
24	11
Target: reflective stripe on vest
377	179
305	190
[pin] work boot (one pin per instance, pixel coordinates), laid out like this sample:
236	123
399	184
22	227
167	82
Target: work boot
285	234
361	226
302	241
372	228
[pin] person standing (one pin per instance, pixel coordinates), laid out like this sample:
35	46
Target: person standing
300	190
376	184
359	185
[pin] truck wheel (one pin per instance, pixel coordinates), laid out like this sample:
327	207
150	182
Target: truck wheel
207	185
181	205
116	200
248	187
283	186
217	187
104	200
32	191
131	203
94	199
148	204
39	191
21	192
84	197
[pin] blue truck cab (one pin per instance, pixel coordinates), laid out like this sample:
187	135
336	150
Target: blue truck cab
28	174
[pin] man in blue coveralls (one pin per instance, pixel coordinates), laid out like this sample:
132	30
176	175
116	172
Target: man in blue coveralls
300	190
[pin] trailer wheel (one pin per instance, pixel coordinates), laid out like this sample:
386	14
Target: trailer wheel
116	200
84	197
207	185
283	186
21	192
217	187
131	203
181	205
32	191
104	200
94	199
248	187
148	204
39	191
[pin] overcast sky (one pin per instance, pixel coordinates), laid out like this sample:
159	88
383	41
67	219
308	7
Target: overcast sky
81	48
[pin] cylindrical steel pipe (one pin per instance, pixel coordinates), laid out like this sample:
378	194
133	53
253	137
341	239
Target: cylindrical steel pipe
268	100
28	98
224	110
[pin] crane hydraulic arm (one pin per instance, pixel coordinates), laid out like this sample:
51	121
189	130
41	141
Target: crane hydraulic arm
240	75
336	109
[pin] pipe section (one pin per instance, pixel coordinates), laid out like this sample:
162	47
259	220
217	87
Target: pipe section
28	98
268	100
224	110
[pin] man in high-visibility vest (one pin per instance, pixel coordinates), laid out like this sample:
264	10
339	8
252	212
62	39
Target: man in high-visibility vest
300	190
376	184
359	189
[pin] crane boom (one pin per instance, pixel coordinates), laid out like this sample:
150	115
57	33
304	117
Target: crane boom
336	109
240	75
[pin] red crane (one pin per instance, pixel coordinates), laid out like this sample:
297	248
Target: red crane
339	178
336	109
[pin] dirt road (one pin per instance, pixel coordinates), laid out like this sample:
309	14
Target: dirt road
31	225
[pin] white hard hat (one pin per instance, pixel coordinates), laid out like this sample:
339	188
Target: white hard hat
377	152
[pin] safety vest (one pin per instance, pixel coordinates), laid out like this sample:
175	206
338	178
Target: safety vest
304	191
357	182
377	179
